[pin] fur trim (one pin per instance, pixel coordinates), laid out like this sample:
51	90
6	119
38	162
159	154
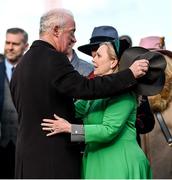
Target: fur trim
160	102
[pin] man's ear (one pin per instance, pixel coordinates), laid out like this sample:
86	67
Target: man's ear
56	31
26	46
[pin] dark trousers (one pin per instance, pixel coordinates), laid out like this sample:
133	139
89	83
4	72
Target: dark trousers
7	161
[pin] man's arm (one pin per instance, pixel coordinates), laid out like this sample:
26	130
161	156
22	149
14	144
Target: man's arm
70	82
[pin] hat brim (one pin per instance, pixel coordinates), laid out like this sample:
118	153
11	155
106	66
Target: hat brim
88	48
153	82
164	51
150	89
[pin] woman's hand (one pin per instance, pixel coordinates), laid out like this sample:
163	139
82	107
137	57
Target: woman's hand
59	125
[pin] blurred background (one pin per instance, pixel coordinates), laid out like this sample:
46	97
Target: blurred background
136	18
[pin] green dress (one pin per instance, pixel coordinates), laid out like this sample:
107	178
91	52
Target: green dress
112	151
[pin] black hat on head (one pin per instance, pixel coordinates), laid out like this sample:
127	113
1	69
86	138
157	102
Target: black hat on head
153	82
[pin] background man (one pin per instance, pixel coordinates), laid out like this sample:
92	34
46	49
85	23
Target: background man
80	65
16	44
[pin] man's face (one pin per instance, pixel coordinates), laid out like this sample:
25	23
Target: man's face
14	47
70	52
67	38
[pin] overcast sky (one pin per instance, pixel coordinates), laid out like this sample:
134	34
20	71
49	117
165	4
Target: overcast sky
137	18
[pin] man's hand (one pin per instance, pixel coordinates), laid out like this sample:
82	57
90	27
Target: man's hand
139	67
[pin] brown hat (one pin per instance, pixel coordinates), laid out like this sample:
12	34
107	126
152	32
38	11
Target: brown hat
152	83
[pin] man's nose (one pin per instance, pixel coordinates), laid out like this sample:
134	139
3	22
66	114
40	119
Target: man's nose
10	46
74	39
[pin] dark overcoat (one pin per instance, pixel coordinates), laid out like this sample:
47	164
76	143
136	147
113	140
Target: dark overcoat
44	83
2	78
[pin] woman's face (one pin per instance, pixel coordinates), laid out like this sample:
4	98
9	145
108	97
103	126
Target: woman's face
103	64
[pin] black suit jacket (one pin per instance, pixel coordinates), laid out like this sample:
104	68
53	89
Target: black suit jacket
44	83
2	78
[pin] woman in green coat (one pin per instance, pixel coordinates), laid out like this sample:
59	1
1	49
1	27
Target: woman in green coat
111	151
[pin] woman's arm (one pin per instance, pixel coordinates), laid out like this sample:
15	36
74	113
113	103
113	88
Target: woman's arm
115	116
113	121
60	125
81	108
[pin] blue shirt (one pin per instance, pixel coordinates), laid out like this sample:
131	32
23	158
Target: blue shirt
83	67
8	69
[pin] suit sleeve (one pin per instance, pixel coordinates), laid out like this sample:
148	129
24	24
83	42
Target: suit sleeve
81	108
70	82
113	121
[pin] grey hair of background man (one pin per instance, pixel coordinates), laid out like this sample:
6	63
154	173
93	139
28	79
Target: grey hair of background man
17	30
52	18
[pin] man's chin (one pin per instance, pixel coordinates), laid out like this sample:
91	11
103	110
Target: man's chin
12	60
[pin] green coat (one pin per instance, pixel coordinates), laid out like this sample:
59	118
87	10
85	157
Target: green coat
110	136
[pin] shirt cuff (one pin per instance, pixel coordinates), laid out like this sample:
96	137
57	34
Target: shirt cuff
77	134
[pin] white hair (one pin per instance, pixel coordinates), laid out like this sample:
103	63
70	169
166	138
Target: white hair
52	18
